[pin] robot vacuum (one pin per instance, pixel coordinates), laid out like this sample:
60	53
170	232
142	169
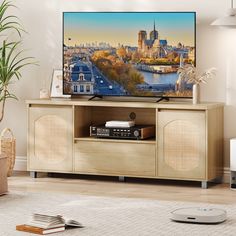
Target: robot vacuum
199	215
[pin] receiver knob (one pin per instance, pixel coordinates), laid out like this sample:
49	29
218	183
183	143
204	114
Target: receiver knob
136	133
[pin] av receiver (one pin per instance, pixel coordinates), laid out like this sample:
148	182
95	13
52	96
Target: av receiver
135	132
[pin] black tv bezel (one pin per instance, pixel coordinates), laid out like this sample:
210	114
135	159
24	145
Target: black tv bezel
127	96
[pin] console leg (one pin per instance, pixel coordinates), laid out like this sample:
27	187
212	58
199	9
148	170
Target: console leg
33	174
122	178
204	184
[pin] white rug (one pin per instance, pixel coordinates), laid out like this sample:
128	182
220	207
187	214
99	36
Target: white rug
108	216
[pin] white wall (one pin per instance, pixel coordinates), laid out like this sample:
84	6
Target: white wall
43	20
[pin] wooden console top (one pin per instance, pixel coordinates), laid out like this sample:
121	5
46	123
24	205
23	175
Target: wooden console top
186	105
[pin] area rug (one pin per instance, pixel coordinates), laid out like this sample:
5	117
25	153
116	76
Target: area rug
106	216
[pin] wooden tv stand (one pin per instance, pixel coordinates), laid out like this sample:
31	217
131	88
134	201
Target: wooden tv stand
188	143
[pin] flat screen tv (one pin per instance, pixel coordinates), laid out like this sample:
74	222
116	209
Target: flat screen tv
127	53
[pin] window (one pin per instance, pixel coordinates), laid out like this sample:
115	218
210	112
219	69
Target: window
87	88
81	88
75	89
81	76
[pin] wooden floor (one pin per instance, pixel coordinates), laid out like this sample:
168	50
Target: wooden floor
132	188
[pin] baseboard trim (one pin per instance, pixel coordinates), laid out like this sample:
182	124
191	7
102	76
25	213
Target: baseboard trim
21	165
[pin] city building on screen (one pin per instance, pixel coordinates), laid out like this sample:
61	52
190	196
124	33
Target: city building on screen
82	81
153	47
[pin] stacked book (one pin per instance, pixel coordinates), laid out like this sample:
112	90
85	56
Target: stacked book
47	224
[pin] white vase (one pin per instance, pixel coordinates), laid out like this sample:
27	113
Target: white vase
196	93
44	94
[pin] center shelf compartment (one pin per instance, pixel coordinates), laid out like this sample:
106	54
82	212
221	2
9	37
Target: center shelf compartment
113	156
85	116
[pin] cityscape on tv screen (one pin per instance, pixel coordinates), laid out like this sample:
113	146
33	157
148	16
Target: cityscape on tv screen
127	53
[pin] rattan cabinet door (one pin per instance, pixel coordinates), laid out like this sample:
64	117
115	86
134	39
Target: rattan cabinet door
182	144
50	139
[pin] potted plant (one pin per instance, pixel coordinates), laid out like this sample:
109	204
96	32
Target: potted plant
12	61
188	73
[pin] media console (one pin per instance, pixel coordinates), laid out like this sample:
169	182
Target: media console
188	143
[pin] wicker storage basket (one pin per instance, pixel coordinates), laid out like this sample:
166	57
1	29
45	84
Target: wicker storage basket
3	175
8	149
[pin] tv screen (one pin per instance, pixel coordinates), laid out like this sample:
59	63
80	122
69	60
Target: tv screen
127	53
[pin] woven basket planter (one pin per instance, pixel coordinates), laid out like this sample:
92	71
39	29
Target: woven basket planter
8	149
3	175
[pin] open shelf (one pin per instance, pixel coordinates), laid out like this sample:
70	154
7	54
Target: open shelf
145	141
85	116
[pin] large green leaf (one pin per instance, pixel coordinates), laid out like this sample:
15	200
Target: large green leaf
12	61
7	22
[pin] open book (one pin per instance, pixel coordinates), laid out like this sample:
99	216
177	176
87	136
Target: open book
52	221
72	223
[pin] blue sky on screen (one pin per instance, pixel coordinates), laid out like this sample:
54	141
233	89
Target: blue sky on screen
122	28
